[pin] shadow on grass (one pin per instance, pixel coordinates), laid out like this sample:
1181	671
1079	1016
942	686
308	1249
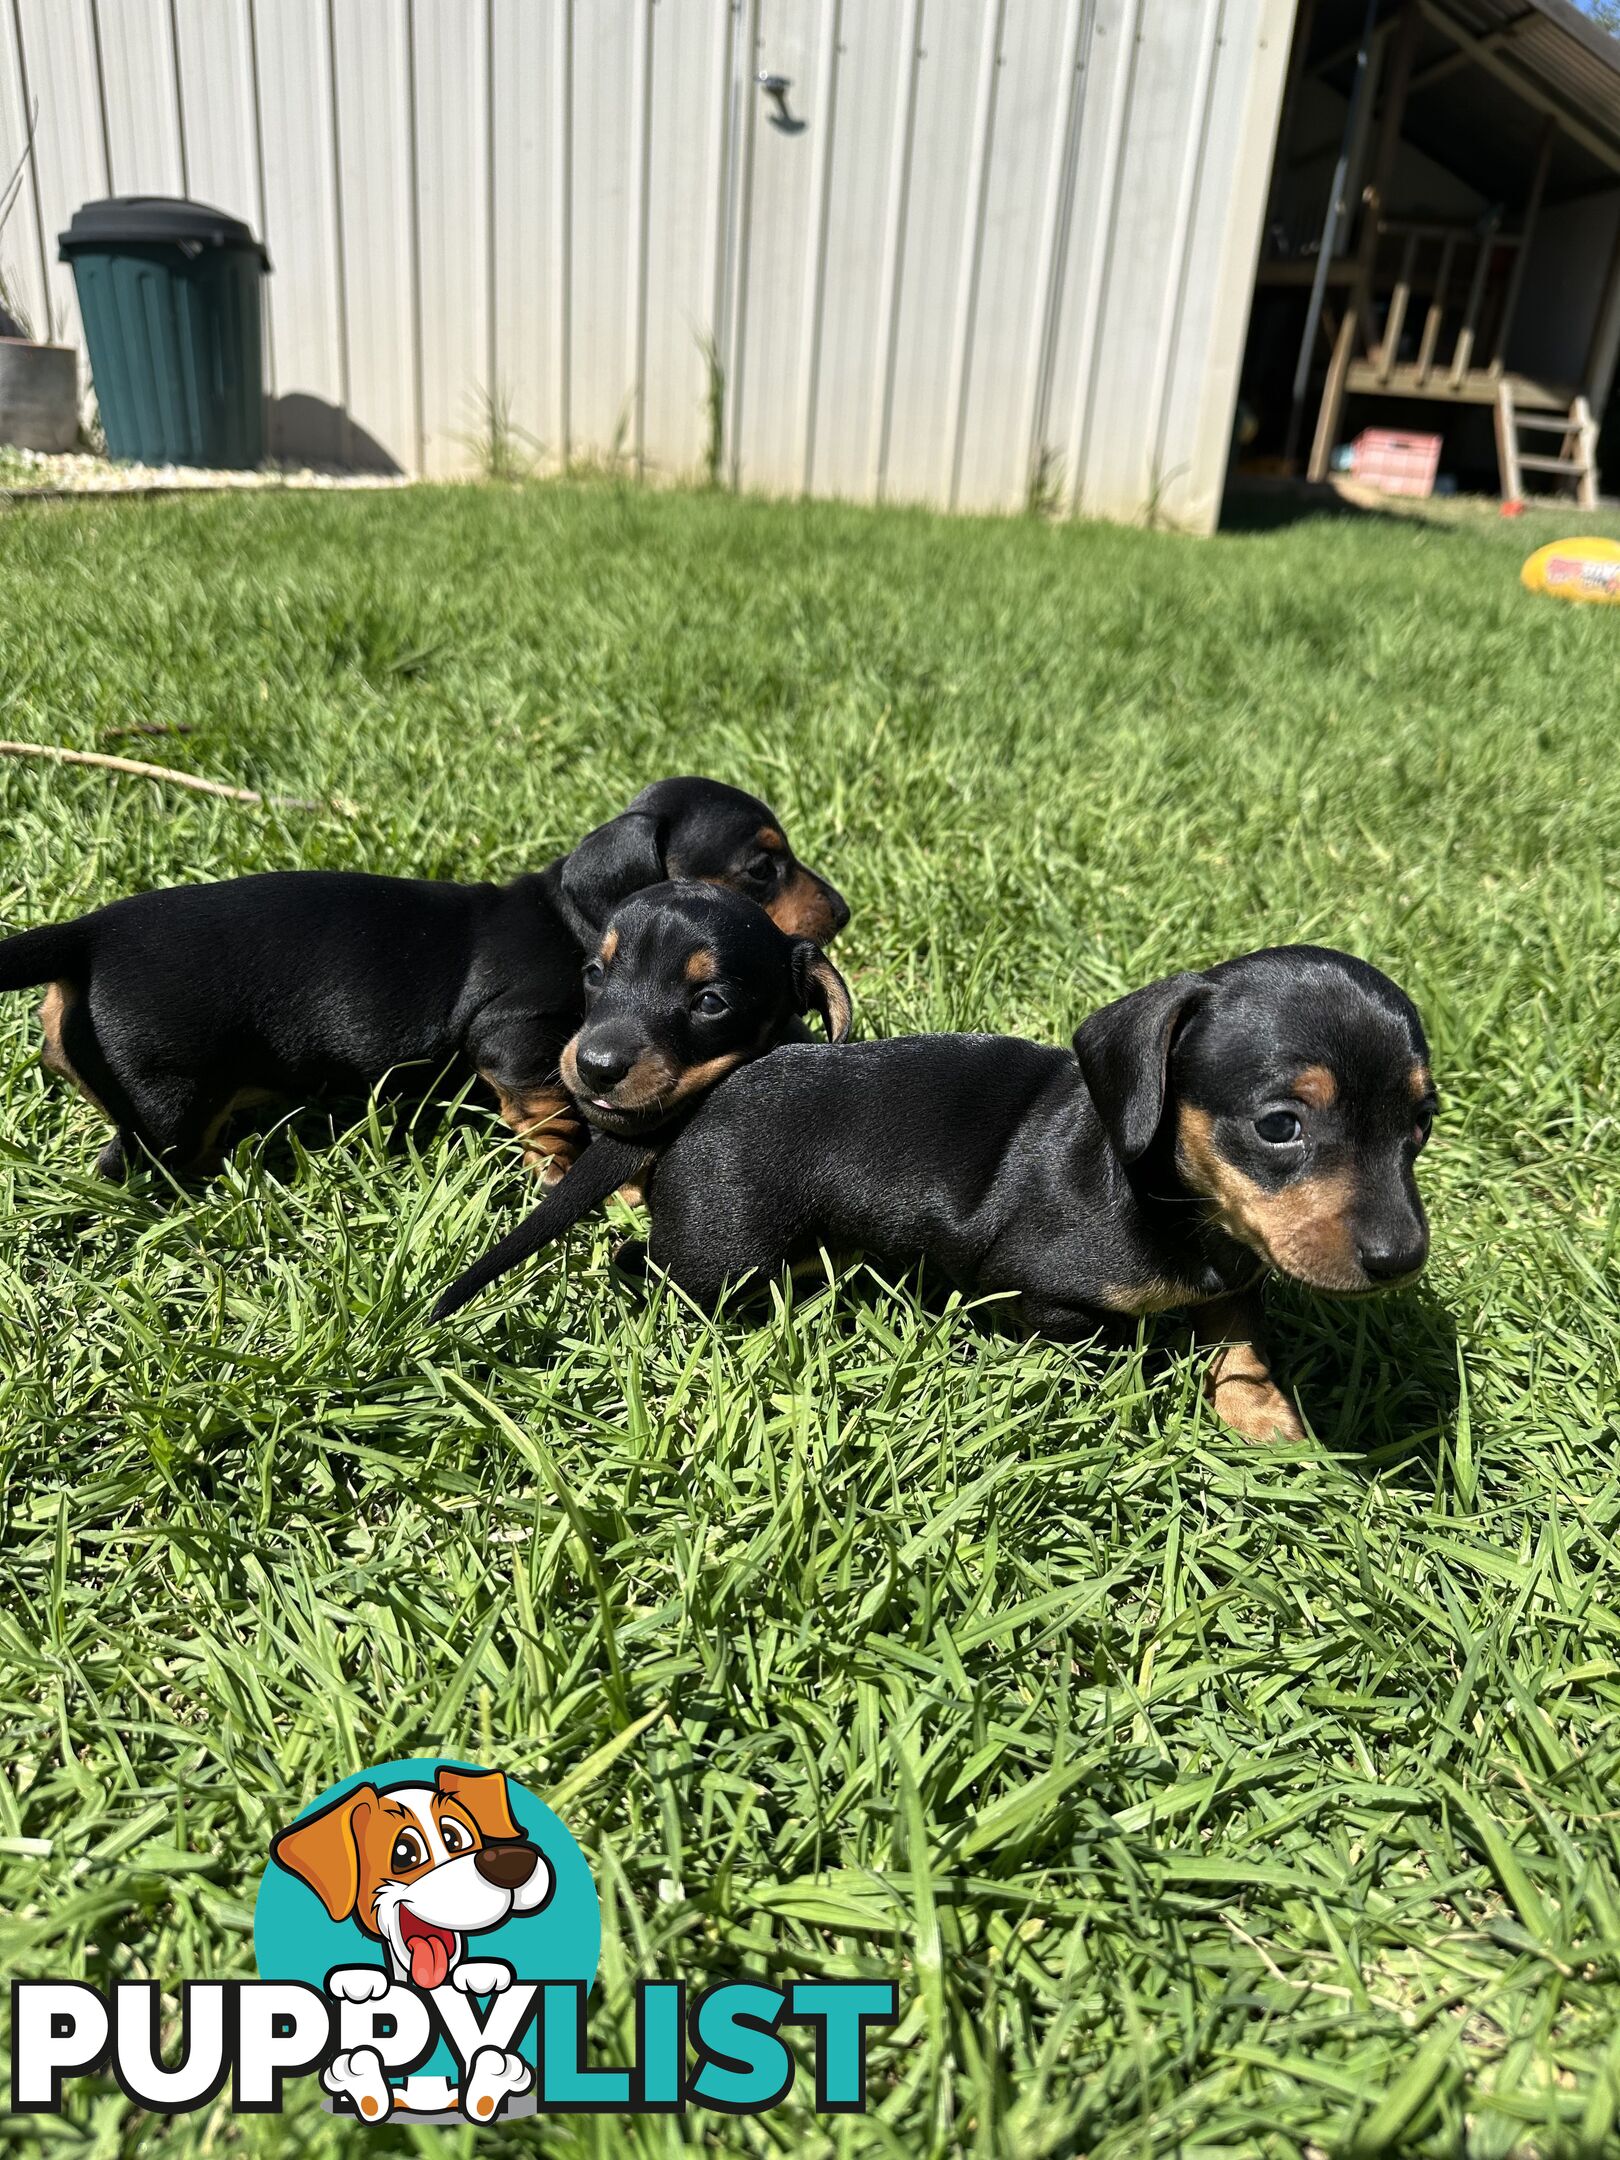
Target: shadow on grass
1377	1378
1258	506
281	1133
406	1117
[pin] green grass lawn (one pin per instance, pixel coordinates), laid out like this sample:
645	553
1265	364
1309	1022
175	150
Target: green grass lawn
1200	1799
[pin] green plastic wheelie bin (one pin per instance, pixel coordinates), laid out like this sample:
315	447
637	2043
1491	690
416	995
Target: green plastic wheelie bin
170	295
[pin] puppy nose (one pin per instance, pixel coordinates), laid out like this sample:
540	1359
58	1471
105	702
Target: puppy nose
602	1066
840	910
507	1866
1388	1259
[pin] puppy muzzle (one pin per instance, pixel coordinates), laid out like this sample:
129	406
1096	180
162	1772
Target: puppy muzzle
619	1085
808	907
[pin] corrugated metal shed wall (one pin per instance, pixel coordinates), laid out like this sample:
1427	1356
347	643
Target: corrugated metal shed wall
995	243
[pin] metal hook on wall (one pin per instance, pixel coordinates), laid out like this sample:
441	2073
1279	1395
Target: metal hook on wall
776	88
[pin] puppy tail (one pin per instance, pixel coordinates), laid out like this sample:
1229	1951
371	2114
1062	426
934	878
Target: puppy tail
605	1165
51	954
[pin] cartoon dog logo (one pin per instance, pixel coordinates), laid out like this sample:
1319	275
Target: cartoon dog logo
420	1868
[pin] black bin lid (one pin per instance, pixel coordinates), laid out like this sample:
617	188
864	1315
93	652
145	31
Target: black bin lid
163	220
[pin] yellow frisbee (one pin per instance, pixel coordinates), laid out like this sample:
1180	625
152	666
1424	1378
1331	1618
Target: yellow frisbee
1587	569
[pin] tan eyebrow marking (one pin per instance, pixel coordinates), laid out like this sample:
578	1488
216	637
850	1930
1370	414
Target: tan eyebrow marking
769	837
610	945
702	966
1421	1082
1316	1086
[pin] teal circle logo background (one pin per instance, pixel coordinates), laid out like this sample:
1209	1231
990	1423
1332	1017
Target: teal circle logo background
294	1937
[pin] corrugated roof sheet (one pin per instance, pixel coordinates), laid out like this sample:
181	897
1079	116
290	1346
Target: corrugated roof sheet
1558	49
1472	121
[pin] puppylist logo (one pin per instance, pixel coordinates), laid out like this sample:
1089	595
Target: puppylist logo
427	1935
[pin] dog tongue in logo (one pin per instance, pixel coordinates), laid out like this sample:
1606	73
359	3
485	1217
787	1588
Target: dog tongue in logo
428	1949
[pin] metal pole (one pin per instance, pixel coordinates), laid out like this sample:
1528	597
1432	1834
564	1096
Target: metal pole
1330	237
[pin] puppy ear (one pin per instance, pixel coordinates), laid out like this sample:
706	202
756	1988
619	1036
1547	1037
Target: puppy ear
483	1794
1124	1054
619	858
820	988
324	1851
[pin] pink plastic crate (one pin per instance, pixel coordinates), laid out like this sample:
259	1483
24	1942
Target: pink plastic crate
1394	463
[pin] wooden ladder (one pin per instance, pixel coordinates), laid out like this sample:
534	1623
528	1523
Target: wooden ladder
1576	457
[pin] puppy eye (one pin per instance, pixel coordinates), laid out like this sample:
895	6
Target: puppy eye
594	971
1278	1127
710	1004
760	870
455	1838
407	1852
1422	1129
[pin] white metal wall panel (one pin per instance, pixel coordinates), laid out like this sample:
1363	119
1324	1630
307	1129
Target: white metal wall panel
371	79
940	214
1111	59
1161	119
604	202
690	91
306	377
1178	115
136	40
57	47
527	110
1196	381
980	160
996	240
845	362
24	263
214	47
451	64
1001	352
639	166
776	281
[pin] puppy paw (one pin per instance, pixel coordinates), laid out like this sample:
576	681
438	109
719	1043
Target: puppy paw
1269	1419
482	1976
358	1983
1247	1398
495	2076
358	2077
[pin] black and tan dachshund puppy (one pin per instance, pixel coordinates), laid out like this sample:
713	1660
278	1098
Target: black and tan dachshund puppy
1266	1114
689	983
170	1010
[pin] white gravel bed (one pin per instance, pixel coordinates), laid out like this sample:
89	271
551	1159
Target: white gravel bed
75	472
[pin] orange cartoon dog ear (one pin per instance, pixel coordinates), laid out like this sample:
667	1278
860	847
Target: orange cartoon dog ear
323	1850
483	1794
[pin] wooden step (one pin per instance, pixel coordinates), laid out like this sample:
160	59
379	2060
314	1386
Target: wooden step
1579	436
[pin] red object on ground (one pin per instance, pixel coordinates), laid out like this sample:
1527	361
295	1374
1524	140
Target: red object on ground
1513	508
1395	463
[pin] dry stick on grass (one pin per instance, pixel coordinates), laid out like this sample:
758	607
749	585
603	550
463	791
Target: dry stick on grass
142	771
